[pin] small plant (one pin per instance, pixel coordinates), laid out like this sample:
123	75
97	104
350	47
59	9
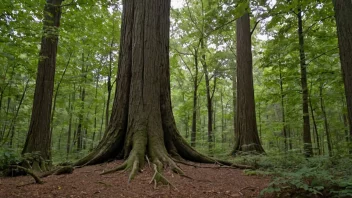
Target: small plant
8	157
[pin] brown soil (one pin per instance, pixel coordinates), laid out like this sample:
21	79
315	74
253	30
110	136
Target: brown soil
87	182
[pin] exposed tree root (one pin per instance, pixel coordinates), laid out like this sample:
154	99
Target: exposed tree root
159	178
29	172
58	171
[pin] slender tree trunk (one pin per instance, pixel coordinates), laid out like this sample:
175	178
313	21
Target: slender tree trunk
102	122
195	100
222	116
39	136
80	127
16	110
57	91
315	128
246	124
307	141
234	100
345	122
283	115
289	138
326	124
343	15
209	100
71	101
96	109
109	86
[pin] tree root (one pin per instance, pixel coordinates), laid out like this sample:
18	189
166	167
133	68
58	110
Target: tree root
159	178
29	172
132	163
221	165
58	171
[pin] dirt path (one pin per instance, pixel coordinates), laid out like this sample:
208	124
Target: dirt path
86	182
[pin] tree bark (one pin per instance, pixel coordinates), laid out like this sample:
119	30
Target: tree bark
307	141
109	86
195	100
315	128
246	125
343	15
283	115
39	136
209	99
142	122
326	124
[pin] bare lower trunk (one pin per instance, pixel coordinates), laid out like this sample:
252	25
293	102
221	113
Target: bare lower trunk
307	141
326	124
195	101
142	123
39	136
315	128
246	124
283	115
343	15
209	100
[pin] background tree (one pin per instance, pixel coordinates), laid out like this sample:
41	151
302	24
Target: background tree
247	139
39	134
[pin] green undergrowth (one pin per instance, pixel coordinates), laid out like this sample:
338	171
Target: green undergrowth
293	175
8	157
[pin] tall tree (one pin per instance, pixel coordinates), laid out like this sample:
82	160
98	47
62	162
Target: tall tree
307	140
142	123
247	139
39	136
343	15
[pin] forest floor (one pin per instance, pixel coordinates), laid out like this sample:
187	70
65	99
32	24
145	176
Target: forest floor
206	181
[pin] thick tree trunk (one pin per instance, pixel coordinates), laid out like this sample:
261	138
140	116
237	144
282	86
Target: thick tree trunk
39	136
246	126
343	15
307	141
142	122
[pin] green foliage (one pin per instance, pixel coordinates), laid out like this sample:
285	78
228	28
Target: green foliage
296	176
8	157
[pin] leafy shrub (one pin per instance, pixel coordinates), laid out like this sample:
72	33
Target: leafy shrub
8	157
314	177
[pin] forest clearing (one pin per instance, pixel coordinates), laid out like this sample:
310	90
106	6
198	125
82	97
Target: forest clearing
176	98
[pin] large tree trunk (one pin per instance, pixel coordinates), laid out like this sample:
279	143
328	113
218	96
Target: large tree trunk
247	139
142	122
343	15
307	141
39	136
